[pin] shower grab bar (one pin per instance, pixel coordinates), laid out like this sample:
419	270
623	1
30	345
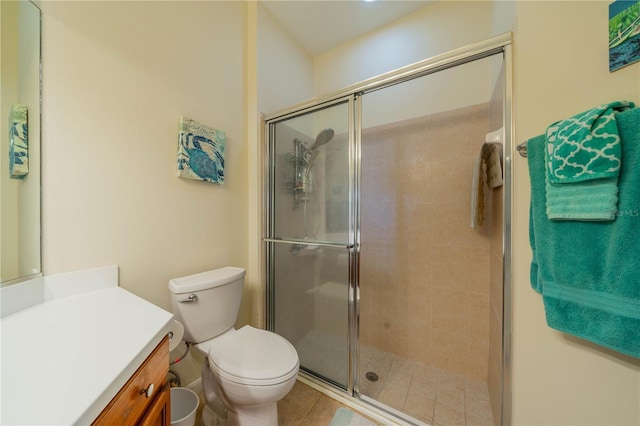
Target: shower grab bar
308	243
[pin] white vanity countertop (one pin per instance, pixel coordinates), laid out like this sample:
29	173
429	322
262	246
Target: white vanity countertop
65	359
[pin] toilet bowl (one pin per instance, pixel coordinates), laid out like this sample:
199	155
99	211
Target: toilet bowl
253	370
245	371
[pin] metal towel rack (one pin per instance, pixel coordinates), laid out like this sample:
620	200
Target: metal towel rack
522	149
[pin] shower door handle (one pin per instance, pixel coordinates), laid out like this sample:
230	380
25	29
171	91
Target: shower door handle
309	243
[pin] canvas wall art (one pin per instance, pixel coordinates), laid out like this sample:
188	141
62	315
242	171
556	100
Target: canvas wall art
18	142
624	33
200	151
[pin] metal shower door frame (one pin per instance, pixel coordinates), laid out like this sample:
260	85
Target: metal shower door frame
351	245
501	44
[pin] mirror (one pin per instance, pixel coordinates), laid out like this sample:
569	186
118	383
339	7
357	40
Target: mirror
20	120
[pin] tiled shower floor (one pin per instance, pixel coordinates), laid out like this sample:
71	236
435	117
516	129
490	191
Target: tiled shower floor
428	394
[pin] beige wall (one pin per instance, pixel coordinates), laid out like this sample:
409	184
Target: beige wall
117	77
285	69
561	68
435	29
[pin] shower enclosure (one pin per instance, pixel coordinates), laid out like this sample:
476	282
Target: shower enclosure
374	273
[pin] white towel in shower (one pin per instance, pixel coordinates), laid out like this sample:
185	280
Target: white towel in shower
487	170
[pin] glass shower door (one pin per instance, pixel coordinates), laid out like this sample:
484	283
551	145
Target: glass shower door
309	237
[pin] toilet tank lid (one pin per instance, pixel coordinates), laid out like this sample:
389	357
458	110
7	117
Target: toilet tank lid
205	280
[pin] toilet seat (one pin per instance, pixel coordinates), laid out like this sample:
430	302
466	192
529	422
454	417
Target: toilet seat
252	356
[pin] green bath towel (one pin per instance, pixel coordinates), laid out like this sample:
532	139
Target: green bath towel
588	272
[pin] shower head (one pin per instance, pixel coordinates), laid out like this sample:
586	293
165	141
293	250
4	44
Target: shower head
312	152
323	138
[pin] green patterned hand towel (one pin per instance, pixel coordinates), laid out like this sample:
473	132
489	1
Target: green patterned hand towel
585	146
582	159
587	272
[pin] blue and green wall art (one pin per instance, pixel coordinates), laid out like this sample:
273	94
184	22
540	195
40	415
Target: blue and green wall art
18	142
200	151
624	33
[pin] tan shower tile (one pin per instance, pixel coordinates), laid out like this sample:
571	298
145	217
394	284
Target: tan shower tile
450	266
398	375
424	374
450	299
473	420
393	395
381	365
420	406
451	223
423	389
414	173
367	387
413	263
449	142
450	351
479	357
476	389
379	174
366	353
479	267
452	397
496	281
450	380
494	385
452	321
414	337
478	238
379	221
479	315
414	298
414	223
451	183
495	339
448	416
478	411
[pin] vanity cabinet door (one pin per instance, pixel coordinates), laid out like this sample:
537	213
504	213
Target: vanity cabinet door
159	414
141	392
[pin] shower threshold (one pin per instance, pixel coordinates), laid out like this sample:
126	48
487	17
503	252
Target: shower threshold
367	406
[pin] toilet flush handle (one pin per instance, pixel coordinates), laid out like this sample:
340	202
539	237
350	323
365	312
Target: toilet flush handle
192	298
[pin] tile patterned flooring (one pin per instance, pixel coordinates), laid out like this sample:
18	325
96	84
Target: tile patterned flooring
443	400
306	406
303	406
430	395
426	393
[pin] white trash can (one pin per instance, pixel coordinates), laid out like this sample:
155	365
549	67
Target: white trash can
184	404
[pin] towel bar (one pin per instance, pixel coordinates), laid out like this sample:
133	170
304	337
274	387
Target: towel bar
522	149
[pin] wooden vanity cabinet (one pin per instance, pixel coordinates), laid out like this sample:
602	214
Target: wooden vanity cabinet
145	398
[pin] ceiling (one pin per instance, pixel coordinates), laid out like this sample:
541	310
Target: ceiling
321	25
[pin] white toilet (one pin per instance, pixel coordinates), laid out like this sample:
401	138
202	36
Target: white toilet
245	371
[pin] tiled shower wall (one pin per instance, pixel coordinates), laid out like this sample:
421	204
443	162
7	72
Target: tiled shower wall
424	273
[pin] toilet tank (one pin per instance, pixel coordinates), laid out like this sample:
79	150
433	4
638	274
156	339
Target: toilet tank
207	303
